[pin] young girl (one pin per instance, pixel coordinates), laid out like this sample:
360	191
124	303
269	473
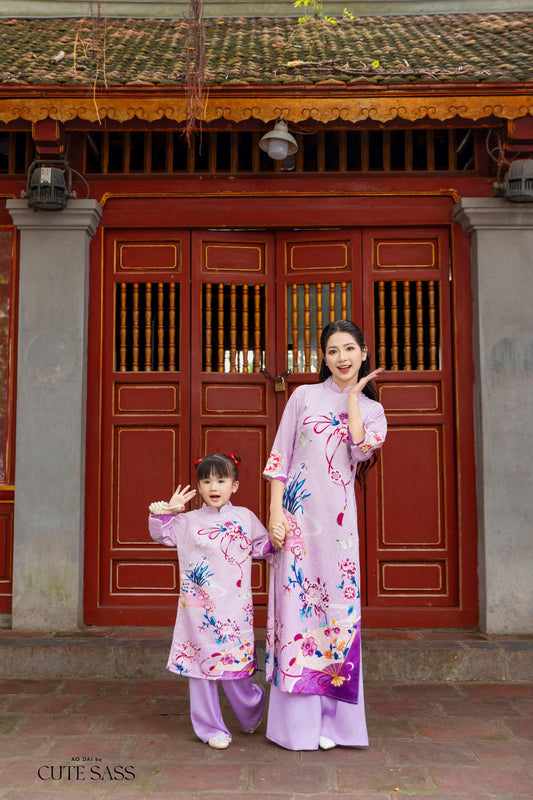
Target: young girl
328	436
213	637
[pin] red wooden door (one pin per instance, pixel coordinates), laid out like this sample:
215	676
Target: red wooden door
194	330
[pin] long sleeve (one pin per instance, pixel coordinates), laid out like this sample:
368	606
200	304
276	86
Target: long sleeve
375	424
279	461
261	545
164	528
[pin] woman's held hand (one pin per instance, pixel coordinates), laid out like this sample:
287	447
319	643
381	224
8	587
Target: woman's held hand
278	528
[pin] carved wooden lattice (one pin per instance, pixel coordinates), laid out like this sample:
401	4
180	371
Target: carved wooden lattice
147	327
407	324
233	326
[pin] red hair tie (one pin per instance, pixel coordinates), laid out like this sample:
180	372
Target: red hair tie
234	458
198	461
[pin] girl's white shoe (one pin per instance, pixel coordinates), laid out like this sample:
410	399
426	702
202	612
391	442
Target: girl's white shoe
326	744
220	741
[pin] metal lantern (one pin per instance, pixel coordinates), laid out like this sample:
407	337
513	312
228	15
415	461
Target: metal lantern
518	183
49	185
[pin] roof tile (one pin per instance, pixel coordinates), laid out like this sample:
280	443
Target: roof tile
371	50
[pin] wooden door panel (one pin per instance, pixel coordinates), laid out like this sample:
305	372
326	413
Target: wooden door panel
143	425
411	521
412	469
234	331
6	553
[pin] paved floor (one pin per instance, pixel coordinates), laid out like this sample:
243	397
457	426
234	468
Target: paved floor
132	739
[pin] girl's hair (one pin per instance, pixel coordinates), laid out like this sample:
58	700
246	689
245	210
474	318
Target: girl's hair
220	465
347	326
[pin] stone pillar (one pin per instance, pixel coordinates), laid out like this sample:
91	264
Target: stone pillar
502	283
50	422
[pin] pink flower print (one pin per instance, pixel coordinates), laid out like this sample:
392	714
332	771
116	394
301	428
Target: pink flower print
274	464
227	658
294	541
329	631
309	646
341	432
235	544
314	597
185	651
350	593
365	448
194	595
227	631
347	568
336	476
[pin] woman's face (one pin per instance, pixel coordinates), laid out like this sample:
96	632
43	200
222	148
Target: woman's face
344	358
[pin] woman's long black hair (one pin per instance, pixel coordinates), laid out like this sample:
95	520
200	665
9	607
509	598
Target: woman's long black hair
347	326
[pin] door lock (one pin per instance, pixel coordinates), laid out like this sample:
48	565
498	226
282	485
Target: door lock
277	380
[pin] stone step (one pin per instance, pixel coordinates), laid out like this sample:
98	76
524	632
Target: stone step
404	656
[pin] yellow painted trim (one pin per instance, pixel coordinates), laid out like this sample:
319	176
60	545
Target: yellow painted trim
455	196
326	107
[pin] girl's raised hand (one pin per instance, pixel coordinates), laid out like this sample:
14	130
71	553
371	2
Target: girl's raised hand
180	497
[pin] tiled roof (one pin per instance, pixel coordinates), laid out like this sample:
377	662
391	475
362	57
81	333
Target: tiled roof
441	48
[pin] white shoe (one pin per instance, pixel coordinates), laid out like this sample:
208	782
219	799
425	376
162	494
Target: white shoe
326	744
220	741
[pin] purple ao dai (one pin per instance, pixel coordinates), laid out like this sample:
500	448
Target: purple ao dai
213	636
313	636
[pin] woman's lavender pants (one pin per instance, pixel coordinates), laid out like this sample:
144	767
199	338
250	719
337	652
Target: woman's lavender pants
297	721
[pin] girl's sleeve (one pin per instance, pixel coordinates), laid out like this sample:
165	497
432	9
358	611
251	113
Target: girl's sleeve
375	424
279	460
261	545
164	528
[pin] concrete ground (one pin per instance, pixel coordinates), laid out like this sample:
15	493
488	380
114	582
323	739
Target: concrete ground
131	738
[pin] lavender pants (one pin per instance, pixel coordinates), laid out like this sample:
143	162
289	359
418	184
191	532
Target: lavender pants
246	699
296	721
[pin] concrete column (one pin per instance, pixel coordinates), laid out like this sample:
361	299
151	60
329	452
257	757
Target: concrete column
502	279
51	399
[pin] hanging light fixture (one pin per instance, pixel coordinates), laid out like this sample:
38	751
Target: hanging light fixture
278	142
49	185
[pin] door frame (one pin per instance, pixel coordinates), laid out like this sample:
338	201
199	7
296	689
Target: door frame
286	211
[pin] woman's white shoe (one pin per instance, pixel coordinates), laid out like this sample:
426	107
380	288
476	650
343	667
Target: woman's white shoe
326	744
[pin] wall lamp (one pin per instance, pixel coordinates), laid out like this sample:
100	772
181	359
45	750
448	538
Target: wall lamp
49	185
278	142
518	182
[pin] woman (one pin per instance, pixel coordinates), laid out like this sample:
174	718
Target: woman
328	436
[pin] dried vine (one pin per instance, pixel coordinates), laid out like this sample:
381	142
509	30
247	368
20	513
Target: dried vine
195	68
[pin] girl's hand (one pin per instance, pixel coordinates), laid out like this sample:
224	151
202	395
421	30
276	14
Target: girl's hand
180	498
356	390
278	528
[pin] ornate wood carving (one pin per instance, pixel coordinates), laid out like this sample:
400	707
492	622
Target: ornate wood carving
323	107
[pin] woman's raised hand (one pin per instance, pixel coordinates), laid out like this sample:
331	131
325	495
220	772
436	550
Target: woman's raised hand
360	385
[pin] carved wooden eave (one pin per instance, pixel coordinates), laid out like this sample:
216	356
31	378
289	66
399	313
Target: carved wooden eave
321	103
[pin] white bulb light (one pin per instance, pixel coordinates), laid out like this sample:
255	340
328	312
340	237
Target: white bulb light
278	149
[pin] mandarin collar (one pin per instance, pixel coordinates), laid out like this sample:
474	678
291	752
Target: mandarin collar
212	510
330	384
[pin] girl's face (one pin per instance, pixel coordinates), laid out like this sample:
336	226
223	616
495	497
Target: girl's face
216	491
344	357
